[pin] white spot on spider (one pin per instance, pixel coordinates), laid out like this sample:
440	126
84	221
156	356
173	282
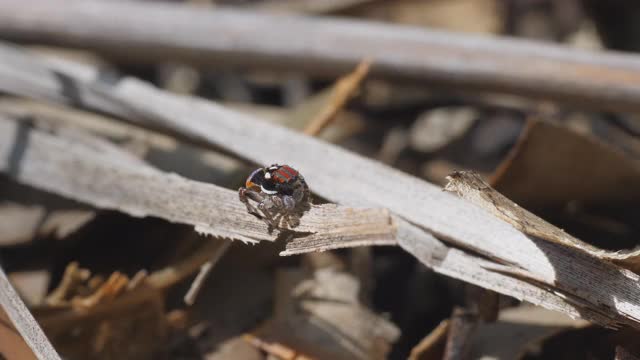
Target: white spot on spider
267	176
270	192
275	167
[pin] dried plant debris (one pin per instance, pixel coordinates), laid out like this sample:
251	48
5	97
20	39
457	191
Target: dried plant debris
114	317
324	114
79	290
20	223
568	171
518	331
116	156
363	182
471	187
436	128
440	14
320	316
585	186
568	166
130	326
27	214
51	160
341	92
433	345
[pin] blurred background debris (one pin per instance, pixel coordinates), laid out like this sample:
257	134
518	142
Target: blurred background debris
127	127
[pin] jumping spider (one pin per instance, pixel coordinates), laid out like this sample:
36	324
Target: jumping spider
281	194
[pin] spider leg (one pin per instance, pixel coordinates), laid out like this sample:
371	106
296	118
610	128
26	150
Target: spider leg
293	220
275	211
266	206
289	214
246	194
288	203
277	219
278	209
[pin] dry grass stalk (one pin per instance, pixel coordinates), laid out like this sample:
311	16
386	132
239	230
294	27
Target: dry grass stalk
343	90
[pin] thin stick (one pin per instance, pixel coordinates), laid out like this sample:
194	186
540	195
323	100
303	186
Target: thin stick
205	269
147	31
343	91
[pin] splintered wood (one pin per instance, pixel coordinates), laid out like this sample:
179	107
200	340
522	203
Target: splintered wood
471	187
90	170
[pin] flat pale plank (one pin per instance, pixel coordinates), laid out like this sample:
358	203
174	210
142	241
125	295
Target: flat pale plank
344	177
89	170
148	31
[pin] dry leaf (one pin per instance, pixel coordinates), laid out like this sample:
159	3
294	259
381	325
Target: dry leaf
552	165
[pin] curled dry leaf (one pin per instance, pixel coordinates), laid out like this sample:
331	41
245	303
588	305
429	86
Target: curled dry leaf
552	165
